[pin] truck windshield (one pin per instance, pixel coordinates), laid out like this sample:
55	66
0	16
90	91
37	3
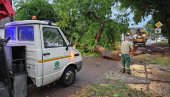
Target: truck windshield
10	32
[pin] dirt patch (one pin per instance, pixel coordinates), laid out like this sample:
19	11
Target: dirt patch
157	48
155	89
159	77
125	78
153	64
150	79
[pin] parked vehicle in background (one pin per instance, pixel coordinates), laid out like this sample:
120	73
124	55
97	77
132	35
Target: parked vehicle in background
140	37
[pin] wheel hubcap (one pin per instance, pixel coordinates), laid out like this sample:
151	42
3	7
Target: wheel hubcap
69	76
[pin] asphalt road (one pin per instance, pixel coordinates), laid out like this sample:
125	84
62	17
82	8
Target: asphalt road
93	69
149	41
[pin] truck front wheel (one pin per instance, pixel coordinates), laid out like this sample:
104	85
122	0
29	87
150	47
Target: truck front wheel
68	76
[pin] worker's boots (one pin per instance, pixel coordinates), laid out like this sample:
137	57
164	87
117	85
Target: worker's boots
128	71
122	70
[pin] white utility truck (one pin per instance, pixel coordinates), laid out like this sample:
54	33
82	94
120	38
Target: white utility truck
48	54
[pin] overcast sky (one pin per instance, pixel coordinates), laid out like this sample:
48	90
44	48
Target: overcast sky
131	22
141	24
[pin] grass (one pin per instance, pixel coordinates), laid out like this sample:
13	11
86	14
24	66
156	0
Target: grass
153	59
109	90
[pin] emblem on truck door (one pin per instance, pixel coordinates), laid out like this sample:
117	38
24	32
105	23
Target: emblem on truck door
56	65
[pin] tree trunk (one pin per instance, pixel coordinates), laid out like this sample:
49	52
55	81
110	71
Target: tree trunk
167	24
168	37
100	31
166	18
114	55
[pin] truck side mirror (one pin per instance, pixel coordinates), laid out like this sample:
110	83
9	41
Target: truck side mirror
69	45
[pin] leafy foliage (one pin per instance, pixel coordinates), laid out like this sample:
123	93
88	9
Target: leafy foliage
40	8
88	21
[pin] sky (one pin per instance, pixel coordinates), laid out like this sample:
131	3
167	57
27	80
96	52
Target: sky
141	24
131	22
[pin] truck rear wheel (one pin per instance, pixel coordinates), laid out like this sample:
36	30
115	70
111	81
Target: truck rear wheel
68	76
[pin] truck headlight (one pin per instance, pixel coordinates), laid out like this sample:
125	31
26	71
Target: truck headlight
144	35
72	55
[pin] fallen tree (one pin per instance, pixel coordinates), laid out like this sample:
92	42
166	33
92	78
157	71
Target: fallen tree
114	55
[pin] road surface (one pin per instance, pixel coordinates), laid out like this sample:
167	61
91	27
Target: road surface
149	41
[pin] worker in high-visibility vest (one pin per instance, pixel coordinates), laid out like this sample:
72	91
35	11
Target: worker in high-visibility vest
126	53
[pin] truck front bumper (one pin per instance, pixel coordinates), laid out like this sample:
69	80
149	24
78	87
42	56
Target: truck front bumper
79	65
139	40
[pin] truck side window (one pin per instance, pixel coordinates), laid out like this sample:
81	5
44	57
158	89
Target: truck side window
10	32
26	33
52	38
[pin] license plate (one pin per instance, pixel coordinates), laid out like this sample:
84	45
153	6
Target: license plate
139	36
140	40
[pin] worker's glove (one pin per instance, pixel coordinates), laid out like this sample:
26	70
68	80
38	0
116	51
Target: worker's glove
131	56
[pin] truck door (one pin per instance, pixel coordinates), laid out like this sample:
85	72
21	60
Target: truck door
55	56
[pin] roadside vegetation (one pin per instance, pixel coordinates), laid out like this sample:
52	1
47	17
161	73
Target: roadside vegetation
157	59
109	90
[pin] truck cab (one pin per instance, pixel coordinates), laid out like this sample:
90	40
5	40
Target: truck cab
49	55
140	37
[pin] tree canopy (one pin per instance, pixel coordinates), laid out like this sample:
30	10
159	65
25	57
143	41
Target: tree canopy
40	8
89	22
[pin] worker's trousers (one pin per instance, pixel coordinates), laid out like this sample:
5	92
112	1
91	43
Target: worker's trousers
125	61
